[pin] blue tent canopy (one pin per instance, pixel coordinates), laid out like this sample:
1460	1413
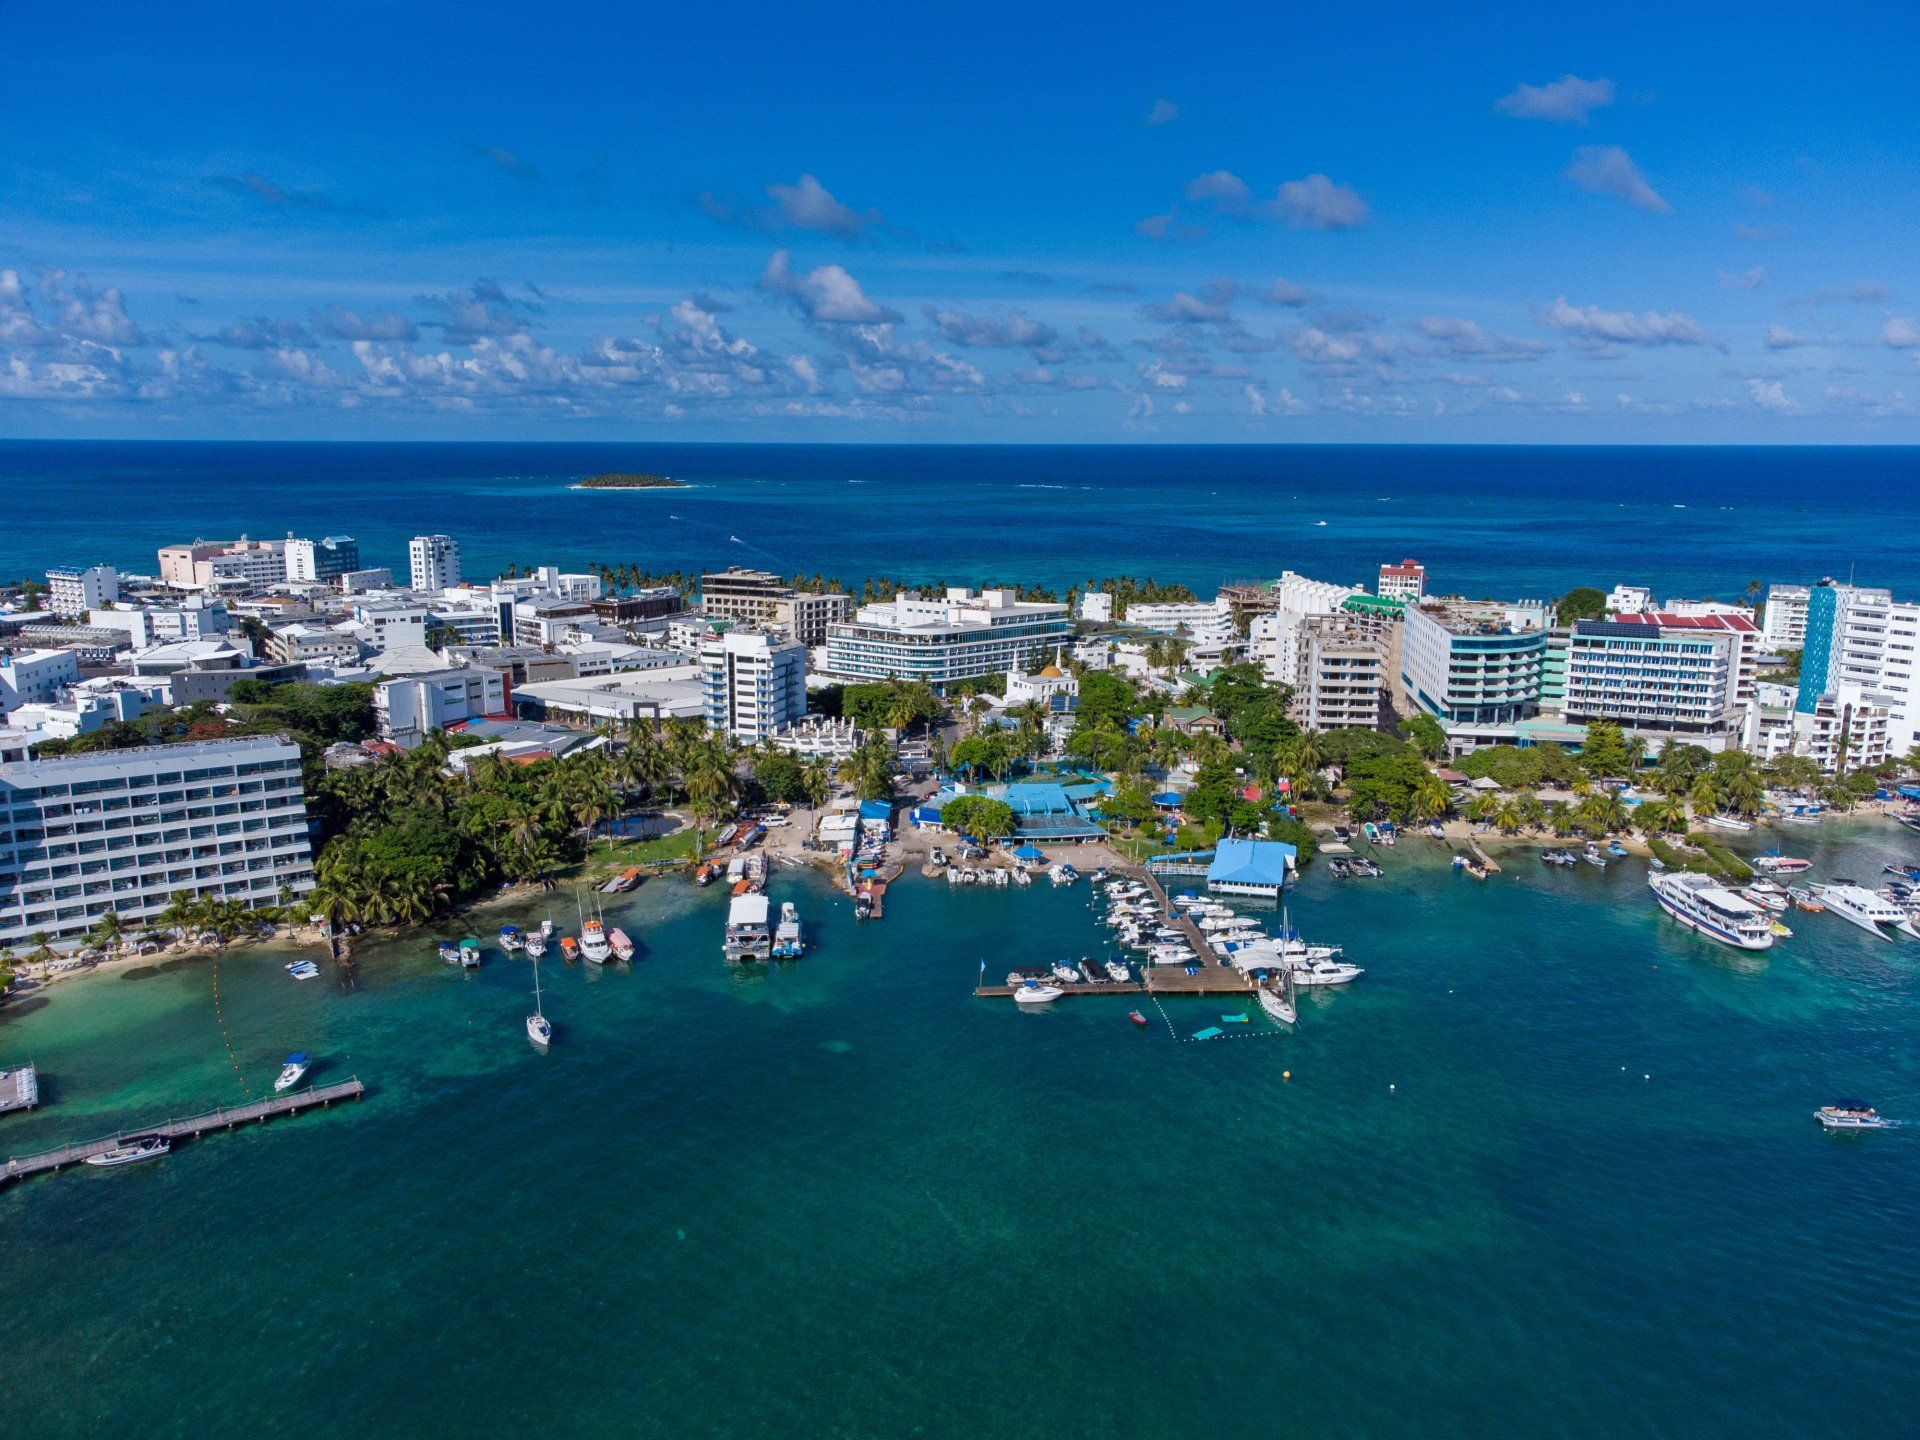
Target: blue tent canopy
1029	852
1167	797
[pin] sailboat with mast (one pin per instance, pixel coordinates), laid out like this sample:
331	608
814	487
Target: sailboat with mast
539	1028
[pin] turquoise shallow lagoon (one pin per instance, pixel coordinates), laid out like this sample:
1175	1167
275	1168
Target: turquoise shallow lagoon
1549	1169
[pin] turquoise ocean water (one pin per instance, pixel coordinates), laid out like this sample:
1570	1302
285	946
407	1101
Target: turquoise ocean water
1548	1169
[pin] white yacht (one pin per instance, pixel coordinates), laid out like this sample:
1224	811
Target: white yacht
1725	822
1860	906
1702	903
1325	972
1117	972
145	1147
1035	993
296	1070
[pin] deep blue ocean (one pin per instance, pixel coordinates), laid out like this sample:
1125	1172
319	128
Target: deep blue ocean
1513	521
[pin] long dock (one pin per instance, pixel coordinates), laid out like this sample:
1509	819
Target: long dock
221	1117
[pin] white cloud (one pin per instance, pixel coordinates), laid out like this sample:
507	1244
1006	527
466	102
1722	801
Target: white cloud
808	205
339	323
1207	308
1464	338
1017	331
1781	338
1315	202
1751	279
1281	402
1623	327
1284	292
1568	98
1221	187
1164	112
1609	170
1900	332
826	293
1770	395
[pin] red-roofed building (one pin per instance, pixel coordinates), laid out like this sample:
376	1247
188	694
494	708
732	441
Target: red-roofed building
1660	681
1746	643
1406	581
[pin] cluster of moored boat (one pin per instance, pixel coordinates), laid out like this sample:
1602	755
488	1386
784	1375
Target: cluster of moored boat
988	875
1343	867
1746	916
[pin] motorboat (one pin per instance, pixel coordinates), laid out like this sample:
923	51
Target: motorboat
1558	857
1137	1018
128	1152
1033	992
1067	974
535	943
1117	972
748	936
470	953
1339	868
1851	1115
1781	864
622	946
1593	855
450	952
293	1072
593	941
569	949
1858	905
1616	849
1325	972
1063	874
303	970
1702	903
1804	898
510	940
787	940
1766	895
1725	822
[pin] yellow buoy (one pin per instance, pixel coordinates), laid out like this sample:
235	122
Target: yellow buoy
1286	1074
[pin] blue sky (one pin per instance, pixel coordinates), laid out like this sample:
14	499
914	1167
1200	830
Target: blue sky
981	222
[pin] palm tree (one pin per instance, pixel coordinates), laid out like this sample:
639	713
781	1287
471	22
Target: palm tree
816	780
107	930
1705	796
1431	798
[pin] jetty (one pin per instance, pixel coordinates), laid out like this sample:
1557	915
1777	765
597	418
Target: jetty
221	1117
19	1088
1203	975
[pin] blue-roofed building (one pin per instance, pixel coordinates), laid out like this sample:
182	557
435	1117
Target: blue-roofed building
1251	867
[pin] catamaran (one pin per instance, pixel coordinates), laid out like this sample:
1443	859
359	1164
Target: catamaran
1702	903
539	1028
1860	906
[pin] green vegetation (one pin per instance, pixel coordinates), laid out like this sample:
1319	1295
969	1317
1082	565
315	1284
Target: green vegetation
1582	603
1126	591
1425	734
784	778
623	481
892	704
978	815
1606	751
1511	767
1788	671
870	770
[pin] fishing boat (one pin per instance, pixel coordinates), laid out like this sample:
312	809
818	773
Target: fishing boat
539	1028
1851	1115
127	1152
1479	871
1117	972
569	949
470	953
1725	822
1858	905
593	936
1702	903
1137	1018
450	952
1033	992
294	1071
510	940
788	942
622	946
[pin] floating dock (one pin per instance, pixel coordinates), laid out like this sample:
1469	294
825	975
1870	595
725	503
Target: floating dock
19	1089
218	1118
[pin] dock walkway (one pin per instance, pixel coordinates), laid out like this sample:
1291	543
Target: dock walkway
19	1088
221	1117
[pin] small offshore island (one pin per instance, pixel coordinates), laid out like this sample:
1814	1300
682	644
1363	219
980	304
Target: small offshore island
621	480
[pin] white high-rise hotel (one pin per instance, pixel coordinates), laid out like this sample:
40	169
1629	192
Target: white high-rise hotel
433	562
124	830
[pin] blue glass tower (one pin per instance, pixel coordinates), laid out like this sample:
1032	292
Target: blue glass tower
1816	656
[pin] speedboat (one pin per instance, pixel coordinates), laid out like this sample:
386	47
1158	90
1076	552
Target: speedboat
1118	973
1326	972
470	953
1593	855
296	1069
303	970
535	942
1860	906
1035	993
621	946
1767	895
1702	903
1725	822
1557	857
1781	864
450	952
1067	973
1137	1018
127	1152
510	940
1847	1115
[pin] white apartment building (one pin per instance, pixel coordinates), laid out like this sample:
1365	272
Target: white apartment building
1342	680
1863	640
1784	625
433	563
390	624
752	685
124	830
807	615
1096	607
1200	619
939	641
35	677
241	564
821	737
313	645
1656	682
412	707
1274	637
195	617
1406	582
324	560
1629	599
1475	666
76	589
1743	640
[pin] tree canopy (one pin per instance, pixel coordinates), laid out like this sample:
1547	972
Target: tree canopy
1581	603
979	815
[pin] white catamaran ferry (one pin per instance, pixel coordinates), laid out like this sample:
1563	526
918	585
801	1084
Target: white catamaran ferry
1702	903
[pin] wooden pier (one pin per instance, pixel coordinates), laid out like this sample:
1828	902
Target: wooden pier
218	1118
1208	976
